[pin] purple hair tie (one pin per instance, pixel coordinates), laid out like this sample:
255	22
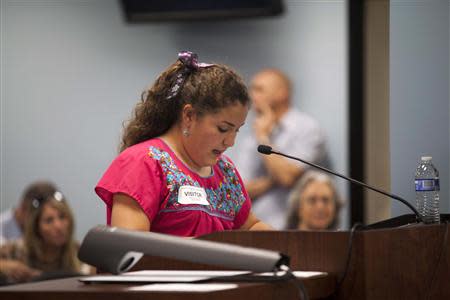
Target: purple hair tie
190	62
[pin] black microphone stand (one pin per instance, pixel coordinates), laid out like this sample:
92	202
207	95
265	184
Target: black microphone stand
264	149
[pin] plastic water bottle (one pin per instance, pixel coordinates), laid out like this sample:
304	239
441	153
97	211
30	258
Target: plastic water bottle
427	190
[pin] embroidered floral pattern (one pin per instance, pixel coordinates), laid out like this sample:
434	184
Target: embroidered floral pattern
225	200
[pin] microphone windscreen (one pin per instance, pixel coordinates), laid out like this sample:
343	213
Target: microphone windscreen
116	250
264	149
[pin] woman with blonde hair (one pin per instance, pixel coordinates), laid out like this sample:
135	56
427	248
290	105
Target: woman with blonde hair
48	249
314	203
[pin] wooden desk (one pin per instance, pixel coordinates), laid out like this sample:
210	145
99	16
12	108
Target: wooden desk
71	288
408	262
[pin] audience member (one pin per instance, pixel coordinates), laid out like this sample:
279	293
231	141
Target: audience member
268	179
314	203
172	176
47	249
12	221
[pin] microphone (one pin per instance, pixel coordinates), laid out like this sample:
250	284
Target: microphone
267	150
116	250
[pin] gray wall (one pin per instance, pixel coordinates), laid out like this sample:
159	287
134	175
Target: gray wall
420	105
73	70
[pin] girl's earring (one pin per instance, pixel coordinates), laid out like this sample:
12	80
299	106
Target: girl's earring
186	132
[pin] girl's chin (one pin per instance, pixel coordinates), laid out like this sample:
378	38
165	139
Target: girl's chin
212	160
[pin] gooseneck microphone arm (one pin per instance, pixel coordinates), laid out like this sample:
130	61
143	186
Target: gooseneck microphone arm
264	149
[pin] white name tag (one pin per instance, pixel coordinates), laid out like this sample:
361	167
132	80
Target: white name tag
192	195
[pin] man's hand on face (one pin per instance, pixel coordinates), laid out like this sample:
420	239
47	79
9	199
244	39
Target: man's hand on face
264	122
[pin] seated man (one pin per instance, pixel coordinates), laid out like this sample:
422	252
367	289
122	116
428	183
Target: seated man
268	178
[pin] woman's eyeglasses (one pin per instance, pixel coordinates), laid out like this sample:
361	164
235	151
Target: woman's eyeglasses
316	200
38	201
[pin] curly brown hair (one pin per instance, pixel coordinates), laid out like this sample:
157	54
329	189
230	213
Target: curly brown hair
207	89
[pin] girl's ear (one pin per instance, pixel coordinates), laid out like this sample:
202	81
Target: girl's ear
187	116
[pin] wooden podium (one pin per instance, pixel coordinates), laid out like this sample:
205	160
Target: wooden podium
410	262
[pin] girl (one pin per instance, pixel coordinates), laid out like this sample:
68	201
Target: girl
171	175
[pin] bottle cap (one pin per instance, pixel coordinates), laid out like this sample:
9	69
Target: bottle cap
426	158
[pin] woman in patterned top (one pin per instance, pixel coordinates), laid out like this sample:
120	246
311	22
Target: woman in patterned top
171	175
48	249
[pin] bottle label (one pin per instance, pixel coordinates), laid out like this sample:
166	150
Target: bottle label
426	185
